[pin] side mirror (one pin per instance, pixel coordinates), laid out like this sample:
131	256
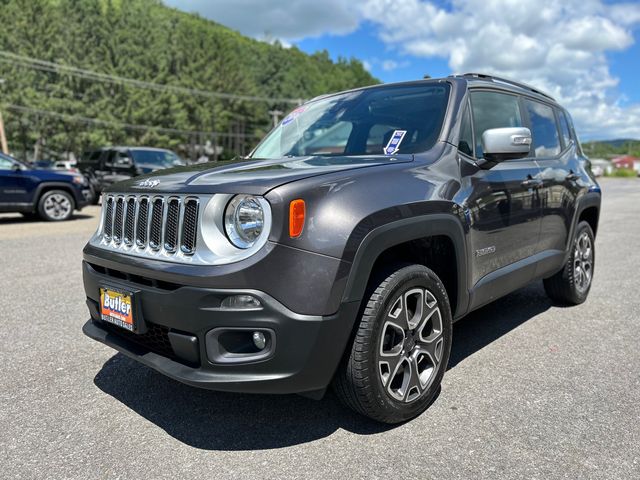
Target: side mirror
500	144
16	167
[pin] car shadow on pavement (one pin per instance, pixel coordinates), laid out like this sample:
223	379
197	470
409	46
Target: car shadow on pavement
226	421
229	421
487	324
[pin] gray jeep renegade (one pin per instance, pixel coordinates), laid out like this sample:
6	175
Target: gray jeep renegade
341	251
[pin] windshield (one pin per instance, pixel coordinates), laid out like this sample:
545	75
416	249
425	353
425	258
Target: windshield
157	158
377	121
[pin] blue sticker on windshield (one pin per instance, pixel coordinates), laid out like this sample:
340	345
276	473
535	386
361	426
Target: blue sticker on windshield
293	115
394	142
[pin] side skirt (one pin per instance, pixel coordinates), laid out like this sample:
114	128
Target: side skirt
512	277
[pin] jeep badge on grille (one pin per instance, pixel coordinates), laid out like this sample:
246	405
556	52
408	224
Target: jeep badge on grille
148	183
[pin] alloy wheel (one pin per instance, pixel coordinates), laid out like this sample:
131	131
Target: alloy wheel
57	206
583	262
410	350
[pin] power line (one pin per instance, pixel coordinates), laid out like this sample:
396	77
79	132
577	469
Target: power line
43	65
117	124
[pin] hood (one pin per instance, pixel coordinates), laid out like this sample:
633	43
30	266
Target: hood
52	175
255	177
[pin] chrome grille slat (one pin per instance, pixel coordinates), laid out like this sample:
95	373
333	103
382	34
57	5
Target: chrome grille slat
189	226
108	218
171	225
142	223
118	219
157	218
130	221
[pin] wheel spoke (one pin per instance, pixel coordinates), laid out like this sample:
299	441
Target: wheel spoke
414	306
392	339
388	367
398	378
397	314
433	348
414	386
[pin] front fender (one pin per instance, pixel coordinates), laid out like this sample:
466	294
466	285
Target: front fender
394	233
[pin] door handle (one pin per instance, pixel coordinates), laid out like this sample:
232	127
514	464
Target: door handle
531	183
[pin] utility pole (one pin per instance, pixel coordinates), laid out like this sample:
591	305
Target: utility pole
3	136
275	115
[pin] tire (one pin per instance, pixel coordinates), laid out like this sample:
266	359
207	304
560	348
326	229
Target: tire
571	285
393	370
56	206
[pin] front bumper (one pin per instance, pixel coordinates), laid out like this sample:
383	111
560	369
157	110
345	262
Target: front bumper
306	351
82	197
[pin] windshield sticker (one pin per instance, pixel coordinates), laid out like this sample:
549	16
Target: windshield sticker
394	142
292	116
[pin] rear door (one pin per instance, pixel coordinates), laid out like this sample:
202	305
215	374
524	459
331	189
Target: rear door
555	151
503	202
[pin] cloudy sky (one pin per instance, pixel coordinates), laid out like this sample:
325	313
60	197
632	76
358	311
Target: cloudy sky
584	52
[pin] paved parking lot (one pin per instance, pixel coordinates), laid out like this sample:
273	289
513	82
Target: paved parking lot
532	391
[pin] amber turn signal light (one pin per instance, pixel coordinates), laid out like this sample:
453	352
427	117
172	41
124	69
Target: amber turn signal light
296	217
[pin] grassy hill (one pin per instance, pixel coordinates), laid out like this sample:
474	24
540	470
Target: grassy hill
51	110
612	148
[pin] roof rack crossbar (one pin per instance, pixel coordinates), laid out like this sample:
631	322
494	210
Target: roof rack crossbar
507	81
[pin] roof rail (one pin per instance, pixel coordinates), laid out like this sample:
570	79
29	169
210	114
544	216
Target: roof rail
484	76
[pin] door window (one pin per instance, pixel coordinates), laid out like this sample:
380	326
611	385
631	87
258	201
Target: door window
493	110
544	130
5	163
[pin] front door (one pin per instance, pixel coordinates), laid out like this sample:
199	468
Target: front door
502	203
12	184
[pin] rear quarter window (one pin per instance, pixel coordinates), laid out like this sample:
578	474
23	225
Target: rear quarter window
565	131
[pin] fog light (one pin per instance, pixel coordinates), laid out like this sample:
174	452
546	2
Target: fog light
259	340
241	302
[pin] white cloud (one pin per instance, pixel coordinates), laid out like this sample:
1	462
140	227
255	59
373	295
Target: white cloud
558	47
286	20
387	65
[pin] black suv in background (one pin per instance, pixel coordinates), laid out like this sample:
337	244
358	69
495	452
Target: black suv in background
344	248
106	166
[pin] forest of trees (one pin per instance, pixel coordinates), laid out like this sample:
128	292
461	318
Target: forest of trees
50	109
612	148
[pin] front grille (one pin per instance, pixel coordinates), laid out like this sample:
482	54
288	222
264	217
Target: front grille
154	225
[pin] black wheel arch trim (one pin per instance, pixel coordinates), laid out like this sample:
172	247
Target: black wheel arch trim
395	233
588	200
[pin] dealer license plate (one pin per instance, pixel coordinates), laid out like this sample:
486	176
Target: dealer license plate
116	307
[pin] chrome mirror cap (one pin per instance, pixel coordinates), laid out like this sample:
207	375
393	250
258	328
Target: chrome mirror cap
506	142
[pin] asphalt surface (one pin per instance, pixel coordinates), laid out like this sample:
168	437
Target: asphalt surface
532	391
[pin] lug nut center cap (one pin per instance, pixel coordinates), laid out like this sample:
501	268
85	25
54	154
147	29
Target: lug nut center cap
409	344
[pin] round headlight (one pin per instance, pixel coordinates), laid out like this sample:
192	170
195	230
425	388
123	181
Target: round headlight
244	220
